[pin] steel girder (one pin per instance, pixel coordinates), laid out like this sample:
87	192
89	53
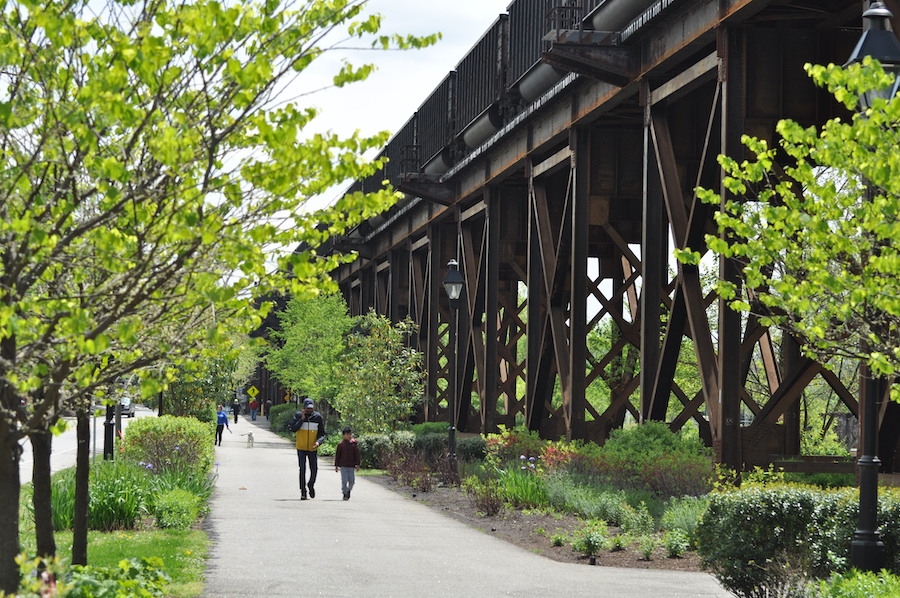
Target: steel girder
561	236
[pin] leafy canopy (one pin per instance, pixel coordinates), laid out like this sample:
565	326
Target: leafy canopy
381	381
305	354
152	174
814	225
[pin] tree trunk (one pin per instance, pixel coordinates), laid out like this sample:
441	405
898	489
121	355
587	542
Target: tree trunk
9	510
82	472
41	446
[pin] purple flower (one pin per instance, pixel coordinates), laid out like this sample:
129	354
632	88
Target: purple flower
149	465
522	457
141	463
177	448
531	459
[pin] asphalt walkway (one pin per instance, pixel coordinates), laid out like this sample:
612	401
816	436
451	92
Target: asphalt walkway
266	542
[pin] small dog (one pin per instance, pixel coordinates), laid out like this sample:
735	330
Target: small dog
249	436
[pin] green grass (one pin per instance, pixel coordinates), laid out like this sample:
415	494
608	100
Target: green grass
371	472
183	553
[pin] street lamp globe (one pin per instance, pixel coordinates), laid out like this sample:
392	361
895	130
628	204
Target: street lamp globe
454	283
879	42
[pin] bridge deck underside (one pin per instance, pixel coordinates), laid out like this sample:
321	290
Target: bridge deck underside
575	318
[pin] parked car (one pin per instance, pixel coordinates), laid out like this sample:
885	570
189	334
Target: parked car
127	407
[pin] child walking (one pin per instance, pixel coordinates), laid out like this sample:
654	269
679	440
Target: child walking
346	460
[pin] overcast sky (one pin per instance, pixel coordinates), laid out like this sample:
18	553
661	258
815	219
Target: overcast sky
403	79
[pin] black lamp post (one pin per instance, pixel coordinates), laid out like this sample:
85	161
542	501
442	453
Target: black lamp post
880	43
453	284
109	434
867	549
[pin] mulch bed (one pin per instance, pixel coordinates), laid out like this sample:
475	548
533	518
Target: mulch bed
532	530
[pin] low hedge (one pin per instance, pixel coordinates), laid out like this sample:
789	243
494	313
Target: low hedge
430	428
432	446
176	509
171	443
860	583
372	450
760	538
470	448
279	415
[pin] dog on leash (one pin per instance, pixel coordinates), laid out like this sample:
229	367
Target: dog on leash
249	436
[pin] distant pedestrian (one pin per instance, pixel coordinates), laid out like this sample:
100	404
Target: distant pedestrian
346	460
268	407
236	408
221	423
309	429
254	407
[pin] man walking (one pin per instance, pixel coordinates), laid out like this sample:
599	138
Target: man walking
236	408
309	429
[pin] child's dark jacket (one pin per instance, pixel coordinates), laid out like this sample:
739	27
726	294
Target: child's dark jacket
347	454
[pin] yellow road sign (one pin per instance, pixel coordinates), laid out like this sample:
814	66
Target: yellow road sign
253	391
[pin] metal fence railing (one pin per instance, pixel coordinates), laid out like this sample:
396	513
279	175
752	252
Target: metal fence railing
481	75
437	119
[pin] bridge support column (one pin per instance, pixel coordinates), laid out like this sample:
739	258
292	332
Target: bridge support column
580	142
727	430
654	246
489	384
537	392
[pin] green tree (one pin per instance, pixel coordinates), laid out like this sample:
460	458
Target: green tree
148	163
814	225
305	353
197	386
381	381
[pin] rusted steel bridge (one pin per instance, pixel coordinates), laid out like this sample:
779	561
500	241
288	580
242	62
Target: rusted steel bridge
558	164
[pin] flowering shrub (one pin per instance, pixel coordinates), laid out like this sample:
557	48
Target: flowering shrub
170	443
679	474
556	454
508	445
648	457
591	538
529	464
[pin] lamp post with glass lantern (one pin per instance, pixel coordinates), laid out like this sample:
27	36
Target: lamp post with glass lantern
454	283
867	549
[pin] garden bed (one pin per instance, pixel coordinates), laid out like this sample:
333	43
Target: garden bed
532	529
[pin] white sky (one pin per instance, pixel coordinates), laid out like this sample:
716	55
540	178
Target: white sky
404	79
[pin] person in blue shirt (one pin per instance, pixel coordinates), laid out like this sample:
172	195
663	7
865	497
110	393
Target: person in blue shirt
221	423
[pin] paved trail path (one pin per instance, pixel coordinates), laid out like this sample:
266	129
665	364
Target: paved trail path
268	543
